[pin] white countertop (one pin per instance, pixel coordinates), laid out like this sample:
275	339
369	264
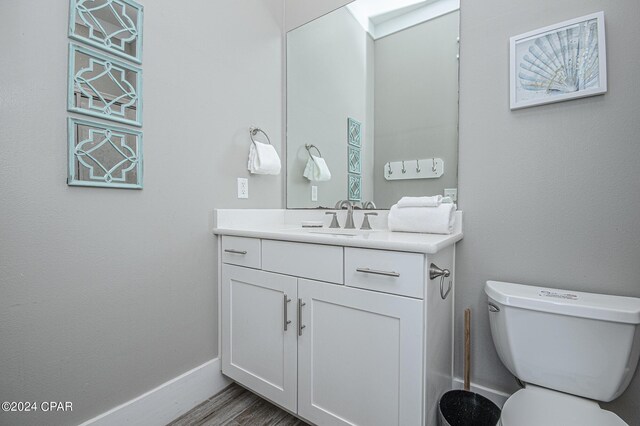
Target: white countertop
285	225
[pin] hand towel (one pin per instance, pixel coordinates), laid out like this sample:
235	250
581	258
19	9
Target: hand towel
433	201
263	159
316	169
430	220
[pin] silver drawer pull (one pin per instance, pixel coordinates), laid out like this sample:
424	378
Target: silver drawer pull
375	272
232	251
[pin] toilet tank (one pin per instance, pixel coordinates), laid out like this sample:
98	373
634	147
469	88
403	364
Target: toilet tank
583	344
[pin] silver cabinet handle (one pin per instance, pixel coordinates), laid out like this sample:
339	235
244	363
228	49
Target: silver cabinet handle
232	251
287	321
376	272
300	326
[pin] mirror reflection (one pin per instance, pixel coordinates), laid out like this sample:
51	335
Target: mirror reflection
372	103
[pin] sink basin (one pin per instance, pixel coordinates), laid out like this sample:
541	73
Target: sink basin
339	232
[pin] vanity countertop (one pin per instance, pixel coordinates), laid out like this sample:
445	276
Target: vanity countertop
285	225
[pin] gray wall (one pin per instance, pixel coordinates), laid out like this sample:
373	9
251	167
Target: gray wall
329	78
416	105
107	293
550	194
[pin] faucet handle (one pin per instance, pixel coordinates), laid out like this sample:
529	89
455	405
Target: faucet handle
365	222
334	220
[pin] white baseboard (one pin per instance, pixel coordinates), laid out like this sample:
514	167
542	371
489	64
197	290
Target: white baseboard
497	397
168	401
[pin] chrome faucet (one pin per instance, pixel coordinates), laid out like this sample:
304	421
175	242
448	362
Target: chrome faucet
368	205
349	223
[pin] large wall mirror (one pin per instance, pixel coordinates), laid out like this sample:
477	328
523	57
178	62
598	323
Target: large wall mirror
372	88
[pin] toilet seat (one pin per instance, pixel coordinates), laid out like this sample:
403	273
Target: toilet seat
535	406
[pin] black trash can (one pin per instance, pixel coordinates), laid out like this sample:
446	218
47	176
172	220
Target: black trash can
464	408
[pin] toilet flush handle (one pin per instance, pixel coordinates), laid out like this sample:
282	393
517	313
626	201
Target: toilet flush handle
493	308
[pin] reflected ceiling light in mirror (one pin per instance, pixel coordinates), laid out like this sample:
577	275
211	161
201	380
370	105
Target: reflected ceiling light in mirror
383	17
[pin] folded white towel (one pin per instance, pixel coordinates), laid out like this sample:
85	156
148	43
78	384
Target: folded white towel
430	220
317	170
433	201
263	159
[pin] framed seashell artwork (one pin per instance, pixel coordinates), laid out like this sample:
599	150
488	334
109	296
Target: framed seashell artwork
559	62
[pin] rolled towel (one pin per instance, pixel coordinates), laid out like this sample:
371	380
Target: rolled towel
433	201
263	159
430	220
317	170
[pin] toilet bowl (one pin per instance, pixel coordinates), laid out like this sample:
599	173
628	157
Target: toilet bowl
536	406
572	349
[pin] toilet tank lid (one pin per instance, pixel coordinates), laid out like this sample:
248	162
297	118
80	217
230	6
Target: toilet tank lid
566	302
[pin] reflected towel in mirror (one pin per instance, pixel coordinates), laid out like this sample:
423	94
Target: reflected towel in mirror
317	169
263	159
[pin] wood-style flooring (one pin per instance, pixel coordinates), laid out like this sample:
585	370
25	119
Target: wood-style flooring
236	406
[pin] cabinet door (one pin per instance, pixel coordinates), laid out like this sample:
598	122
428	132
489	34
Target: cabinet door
257	351
359	357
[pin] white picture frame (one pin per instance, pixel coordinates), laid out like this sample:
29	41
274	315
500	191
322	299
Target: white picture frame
559	62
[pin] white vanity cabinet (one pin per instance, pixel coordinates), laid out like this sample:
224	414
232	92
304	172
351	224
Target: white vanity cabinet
259	345
338	335
359	357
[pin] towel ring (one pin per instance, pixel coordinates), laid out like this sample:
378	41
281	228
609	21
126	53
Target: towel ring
254	131
309	147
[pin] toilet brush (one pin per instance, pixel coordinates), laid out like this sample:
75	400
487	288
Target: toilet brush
467	348
462	407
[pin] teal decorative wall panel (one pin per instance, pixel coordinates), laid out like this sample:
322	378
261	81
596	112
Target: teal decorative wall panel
355	188
104	87
112	25
103	155
354	132
355	163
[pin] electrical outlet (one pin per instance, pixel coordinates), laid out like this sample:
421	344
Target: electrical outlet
243	188
314	193
451	193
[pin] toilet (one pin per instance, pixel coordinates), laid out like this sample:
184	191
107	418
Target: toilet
570	348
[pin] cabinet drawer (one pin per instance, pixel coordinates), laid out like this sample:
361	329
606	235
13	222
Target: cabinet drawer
315	261
386	271
241	251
